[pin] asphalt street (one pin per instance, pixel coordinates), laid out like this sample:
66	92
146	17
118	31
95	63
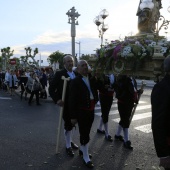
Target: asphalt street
28	138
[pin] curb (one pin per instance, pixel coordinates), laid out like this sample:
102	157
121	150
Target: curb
149	83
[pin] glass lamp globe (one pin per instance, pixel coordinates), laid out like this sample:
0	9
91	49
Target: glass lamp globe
169	9
146	4
98	20
104	13
105	27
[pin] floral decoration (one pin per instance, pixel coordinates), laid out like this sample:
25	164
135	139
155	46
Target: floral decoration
136	49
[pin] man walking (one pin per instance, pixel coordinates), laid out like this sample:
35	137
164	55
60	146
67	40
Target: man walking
55	91
82	99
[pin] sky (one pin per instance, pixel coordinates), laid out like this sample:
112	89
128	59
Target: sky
44	24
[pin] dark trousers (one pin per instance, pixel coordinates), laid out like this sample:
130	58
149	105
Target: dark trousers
43	93
67	120
36	92
85	120
106	103
125	110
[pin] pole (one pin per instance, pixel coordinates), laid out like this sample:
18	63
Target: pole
61	111
101	39
73	15
73	35
136	104
79	49
73	50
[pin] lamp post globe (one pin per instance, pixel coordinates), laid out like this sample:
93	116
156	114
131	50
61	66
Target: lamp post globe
168	9
105	27
146	4
99	21
104	13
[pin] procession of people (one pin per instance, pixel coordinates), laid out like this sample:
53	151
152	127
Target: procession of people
87	87
84	89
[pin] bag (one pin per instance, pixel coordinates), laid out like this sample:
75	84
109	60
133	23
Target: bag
28	90
37	86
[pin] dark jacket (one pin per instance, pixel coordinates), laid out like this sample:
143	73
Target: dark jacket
56	86
43	80
102	83
160	101
124	89
79	95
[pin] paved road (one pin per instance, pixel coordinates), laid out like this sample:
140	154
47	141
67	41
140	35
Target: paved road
28	139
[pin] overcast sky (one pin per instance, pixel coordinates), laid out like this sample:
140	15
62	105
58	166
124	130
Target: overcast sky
44	24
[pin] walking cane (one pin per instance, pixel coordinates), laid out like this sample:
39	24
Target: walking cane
136	104
61	111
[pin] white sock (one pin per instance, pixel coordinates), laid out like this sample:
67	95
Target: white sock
119	130
106	129
85	150
126	134
67	135
101	124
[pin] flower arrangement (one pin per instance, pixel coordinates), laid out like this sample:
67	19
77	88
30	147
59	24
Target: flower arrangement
133	49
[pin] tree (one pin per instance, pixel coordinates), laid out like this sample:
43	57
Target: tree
56	57
29	55
6	54
85	57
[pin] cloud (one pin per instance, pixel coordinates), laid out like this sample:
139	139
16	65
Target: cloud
51	41
50	37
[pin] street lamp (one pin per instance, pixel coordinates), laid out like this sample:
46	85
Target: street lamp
99	21
72	17
79	48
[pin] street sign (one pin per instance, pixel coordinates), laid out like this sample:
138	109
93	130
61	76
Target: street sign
12	61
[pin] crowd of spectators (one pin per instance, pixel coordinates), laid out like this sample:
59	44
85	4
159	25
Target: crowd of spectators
11	79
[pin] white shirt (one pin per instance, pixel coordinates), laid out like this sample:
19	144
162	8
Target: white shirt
71	74
86	81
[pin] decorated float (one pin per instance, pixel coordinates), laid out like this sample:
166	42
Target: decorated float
141	55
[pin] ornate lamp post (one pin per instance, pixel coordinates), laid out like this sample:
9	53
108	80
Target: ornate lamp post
72	17
99	21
